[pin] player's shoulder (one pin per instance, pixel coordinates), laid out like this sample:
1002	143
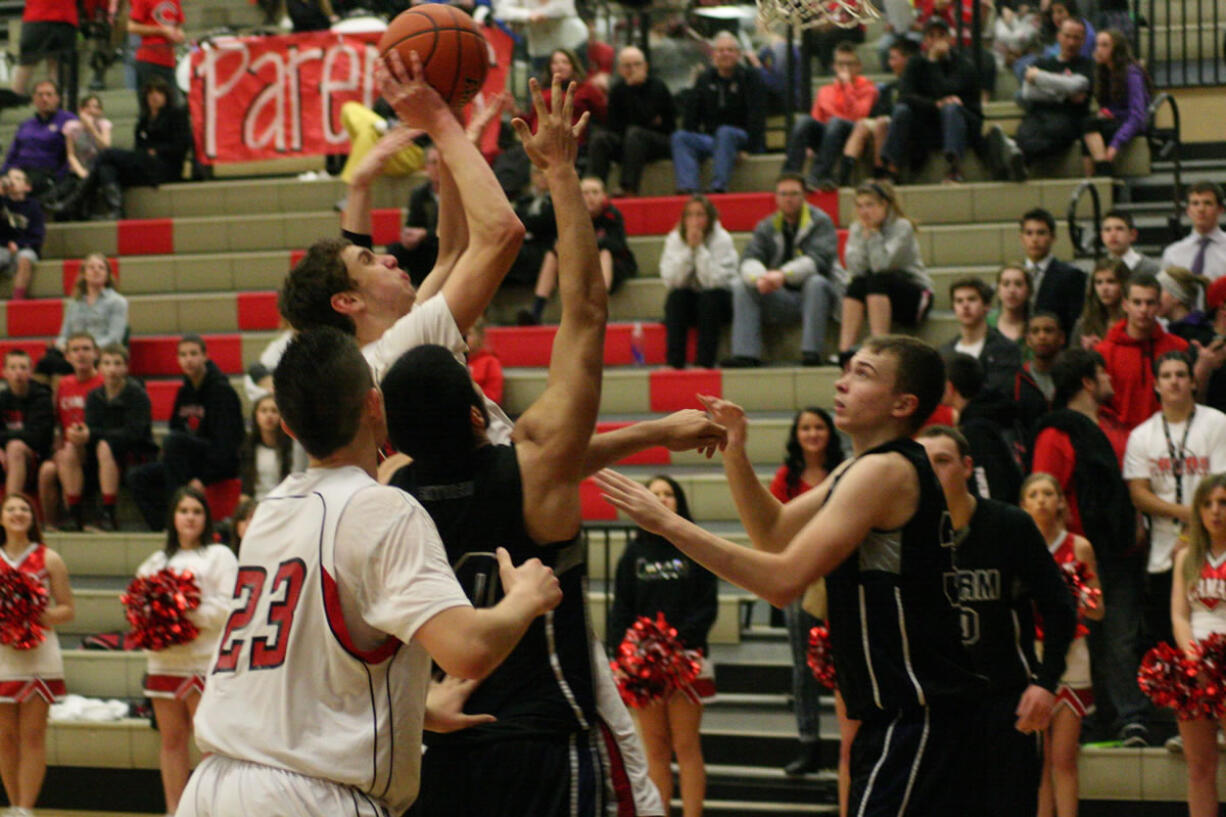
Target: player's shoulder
891	464
382	504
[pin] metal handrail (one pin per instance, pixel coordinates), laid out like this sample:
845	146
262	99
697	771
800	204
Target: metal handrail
1166	144
1076	231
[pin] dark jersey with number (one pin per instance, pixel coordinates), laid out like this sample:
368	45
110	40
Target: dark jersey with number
894	630
1003	574
544	688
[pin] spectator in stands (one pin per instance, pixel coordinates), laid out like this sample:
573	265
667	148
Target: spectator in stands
876	126
119	420
948	10
95	307
483	365
1034	389
239	522
1055	95
640	124
159	24
1104	306
1130	348
1203	251
1058	287
999	356
84	138
839	105
771	63
307	15
788	272
589	99
1167	457
985	416
163	138
725	113
535	209
265	456
1014	291
1178	305
887	278
1054	17
38	147
548	24
206	429
65	468
699	268
417	249
616	260
365	126
22	230
938	106
1118	233
48	34
1015	32
1121	90
28	422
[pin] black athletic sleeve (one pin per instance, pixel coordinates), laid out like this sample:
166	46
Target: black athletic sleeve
1041	575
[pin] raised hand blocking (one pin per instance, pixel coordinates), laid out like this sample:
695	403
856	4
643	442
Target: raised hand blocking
556	141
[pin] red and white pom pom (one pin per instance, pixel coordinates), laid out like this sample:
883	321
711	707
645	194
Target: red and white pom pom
1078	578
1169	679
1211	674
651	663
22	602
820	658
156	607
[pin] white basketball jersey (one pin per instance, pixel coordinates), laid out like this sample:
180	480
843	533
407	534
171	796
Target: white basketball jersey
288	688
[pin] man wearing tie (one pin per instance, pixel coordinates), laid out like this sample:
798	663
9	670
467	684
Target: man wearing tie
1203	250
1058	287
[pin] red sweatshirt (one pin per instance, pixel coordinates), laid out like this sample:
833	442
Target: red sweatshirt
850	102
1130	362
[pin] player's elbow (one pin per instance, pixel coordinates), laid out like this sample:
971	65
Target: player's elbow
474	663
505	231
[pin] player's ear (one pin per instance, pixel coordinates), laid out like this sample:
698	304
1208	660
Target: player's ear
905	405
347	303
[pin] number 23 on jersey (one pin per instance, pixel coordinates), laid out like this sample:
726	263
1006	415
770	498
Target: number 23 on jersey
270	614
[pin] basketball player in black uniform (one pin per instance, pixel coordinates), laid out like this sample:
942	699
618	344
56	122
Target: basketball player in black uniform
1004	576
878	530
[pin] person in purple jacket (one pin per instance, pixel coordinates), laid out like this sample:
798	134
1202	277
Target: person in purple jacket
1122	90
38	147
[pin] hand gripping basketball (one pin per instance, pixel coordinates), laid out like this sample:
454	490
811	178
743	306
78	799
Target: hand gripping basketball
414	100
556	141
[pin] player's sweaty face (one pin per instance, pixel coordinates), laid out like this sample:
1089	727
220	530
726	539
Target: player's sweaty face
864	395
378	279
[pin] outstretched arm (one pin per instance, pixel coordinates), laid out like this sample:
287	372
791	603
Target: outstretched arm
356	218
552	435
685	430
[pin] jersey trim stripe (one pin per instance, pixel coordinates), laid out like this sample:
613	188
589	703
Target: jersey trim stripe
872	778
906	648
50	690
919	757
555	664
391	737
618	778
868	658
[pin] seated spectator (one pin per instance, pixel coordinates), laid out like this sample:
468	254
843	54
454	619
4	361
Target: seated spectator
265	456
938	106
159	24
534	207
119	423
788	273
640	123
985	417
483	365
725	113
65	469
95	307
84	138
887	280
771	63
547	24
1055	95
1178	305
825	130
1058	287
29	422
947	10
565	65
22	230
999	356
163	138
365	126
417	249
1131	346
1014	292
1121	90
1104	306
698	266
38	147
206	429
876	126
1203	251
1015	33
48	32
616	260
1034	389
1118	233
1054	16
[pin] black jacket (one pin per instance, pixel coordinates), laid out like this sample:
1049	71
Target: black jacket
169	135
648	105
1062	290
30	419
212	412
1001	358
1031	405
653	577
739	101
925	81
126	423
989	423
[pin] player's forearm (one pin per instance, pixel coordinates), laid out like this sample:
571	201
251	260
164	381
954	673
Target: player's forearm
59	614
759	510
494	633
608	448
1181	629
487	212
580	282
356	216
1148	502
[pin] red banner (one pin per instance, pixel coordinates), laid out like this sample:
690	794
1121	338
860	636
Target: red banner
258	98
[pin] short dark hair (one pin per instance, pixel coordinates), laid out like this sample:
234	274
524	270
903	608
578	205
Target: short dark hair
949	432
117	350
921	372
1070	370
1069	5
1122	215
965	374
1039	214
327	357
306	293
791	176
908	48
936	24
1174	354
1046	313
55	86
1212	188
847	47
15	353
1141	279
192	337
971	282
428	395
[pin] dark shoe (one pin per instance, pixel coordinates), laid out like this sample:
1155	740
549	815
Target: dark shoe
843	171
70	525
525	317
1015	162
807	762
107	522
740	362
1134	735
812	359
1104	169
994	152
112	196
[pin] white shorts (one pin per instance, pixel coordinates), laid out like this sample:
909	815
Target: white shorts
224	787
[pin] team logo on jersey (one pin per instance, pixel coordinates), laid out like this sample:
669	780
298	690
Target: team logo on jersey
666	570
948	535
1210	591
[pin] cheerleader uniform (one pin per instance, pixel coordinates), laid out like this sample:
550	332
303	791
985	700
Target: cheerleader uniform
178	671
1207	598
39	671
1076	690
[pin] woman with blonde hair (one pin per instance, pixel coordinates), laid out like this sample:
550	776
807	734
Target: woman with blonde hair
95	307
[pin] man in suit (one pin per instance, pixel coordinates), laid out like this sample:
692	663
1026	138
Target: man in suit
1058	287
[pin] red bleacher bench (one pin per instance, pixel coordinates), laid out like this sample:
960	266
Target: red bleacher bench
158	355
36	318
532	345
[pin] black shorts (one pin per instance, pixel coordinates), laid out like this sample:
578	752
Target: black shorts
42	39
909	301
1013	761
919	762
1107	127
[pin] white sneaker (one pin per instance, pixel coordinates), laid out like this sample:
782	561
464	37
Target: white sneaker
1174	745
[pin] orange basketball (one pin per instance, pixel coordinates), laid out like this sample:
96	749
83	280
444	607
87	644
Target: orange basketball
454	56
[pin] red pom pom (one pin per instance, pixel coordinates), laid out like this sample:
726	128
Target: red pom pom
1078	577
651	663
156	608
22	602
820	658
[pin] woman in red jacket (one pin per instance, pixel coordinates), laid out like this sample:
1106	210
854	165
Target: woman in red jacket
563	63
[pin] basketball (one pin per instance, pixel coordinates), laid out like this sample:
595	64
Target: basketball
453	52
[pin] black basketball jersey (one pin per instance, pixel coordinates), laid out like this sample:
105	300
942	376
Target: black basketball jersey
894	629
544	688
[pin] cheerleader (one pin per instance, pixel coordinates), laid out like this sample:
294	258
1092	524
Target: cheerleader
1198	610
654	577
1043	500
175	676
30	680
